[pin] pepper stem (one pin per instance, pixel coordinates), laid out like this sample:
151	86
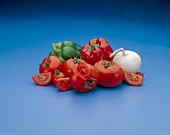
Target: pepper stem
92	46
118	50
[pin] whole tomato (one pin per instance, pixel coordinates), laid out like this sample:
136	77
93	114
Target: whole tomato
70	64
110	74
84	77
50	64
95	50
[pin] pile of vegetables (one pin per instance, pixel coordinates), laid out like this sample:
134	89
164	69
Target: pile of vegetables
70	66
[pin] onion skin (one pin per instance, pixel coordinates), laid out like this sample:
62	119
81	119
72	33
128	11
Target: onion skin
128	60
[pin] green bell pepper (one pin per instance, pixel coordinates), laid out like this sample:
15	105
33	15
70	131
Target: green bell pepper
65	50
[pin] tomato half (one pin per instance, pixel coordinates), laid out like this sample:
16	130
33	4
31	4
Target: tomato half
110	74
71	64
64	84
85	78
50	64
57	74
134	79
42	79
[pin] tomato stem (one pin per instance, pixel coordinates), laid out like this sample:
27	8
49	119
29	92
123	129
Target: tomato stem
46	62
89	82
76	61
118	50
57	72
106	63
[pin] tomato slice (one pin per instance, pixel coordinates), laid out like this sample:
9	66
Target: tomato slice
64	84
83	70
42	79
134	79
140	73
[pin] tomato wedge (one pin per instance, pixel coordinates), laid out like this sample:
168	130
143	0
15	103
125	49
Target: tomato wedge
63	84
134	79
57	74
42	79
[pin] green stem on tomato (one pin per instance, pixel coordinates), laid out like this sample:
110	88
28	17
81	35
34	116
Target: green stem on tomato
47	61
57	72
106	64
76	61
88	83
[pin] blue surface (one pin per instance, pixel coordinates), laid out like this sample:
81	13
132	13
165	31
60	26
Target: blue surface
27	30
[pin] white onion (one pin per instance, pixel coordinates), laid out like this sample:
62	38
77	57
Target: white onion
128	60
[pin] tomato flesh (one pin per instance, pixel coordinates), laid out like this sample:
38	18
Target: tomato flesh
134	79
64	84
42	79
57	74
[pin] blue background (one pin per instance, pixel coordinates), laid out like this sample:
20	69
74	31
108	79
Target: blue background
27	30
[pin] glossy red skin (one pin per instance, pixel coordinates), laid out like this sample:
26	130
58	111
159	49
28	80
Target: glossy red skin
56	76
83	69
54	64
103	51
42	79
64	84
109	76
134	79
69	65
78	81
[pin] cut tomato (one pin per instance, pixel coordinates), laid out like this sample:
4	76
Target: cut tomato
57	74
42	79
63	84
134	79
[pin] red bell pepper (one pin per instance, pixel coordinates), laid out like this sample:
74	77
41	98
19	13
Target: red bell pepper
95	50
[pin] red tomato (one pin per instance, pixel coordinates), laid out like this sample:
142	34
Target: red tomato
42	79
70	64
50	64
140	73
57	74
64	84
96	49
134	79
83	70
84	77
110	74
